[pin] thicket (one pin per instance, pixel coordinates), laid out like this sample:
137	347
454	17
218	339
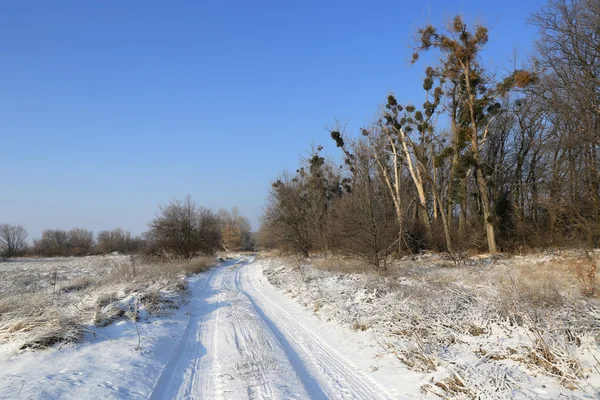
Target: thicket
180	230
82	242
484	164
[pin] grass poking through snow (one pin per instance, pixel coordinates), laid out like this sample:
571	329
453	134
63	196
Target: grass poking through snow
492	327
49	301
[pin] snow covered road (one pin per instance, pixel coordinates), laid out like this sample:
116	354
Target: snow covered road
238	337
240	343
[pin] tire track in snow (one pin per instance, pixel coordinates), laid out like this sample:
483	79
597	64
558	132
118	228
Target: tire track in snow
252	345
341	378
180	371
248	361
239	344
311	385
208	383
226	351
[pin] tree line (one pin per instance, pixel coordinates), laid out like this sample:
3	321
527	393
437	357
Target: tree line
486	162
181	229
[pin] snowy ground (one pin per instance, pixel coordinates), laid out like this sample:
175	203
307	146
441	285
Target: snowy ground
275	328
50	300
237	337
492	328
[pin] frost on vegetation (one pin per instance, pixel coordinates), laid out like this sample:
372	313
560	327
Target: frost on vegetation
48	301
499	327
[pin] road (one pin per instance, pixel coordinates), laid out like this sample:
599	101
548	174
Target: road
240	343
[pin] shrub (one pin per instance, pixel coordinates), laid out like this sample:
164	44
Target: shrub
120	241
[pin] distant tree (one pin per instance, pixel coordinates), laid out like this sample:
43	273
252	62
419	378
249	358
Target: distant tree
285	221
13	240
81	241
54	242
117	240
236	231
184	229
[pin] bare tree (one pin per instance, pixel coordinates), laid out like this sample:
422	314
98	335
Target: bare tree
54	242
299	209
568	54
184	229
285	219
365	221
383	148
81	241
569	50
13	240
461	49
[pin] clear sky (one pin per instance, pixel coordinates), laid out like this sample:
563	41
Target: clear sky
109	108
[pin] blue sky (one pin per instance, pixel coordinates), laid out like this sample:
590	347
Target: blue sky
109	108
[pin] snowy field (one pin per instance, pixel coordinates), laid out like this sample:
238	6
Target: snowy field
57	300
69	326
279	328
236	337
490	328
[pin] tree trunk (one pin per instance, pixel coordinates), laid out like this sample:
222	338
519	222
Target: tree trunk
481	184
487	215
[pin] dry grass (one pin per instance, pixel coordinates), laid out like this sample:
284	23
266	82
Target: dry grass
198	265
43	302
265	254
530	311
342	265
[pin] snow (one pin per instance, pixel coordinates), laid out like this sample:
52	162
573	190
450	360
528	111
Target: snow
268	329
104	365
43	301
237	337
446	323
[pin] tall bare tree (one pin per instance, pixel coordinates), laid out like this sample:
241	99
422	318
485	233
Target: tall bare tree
460	49
568	54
